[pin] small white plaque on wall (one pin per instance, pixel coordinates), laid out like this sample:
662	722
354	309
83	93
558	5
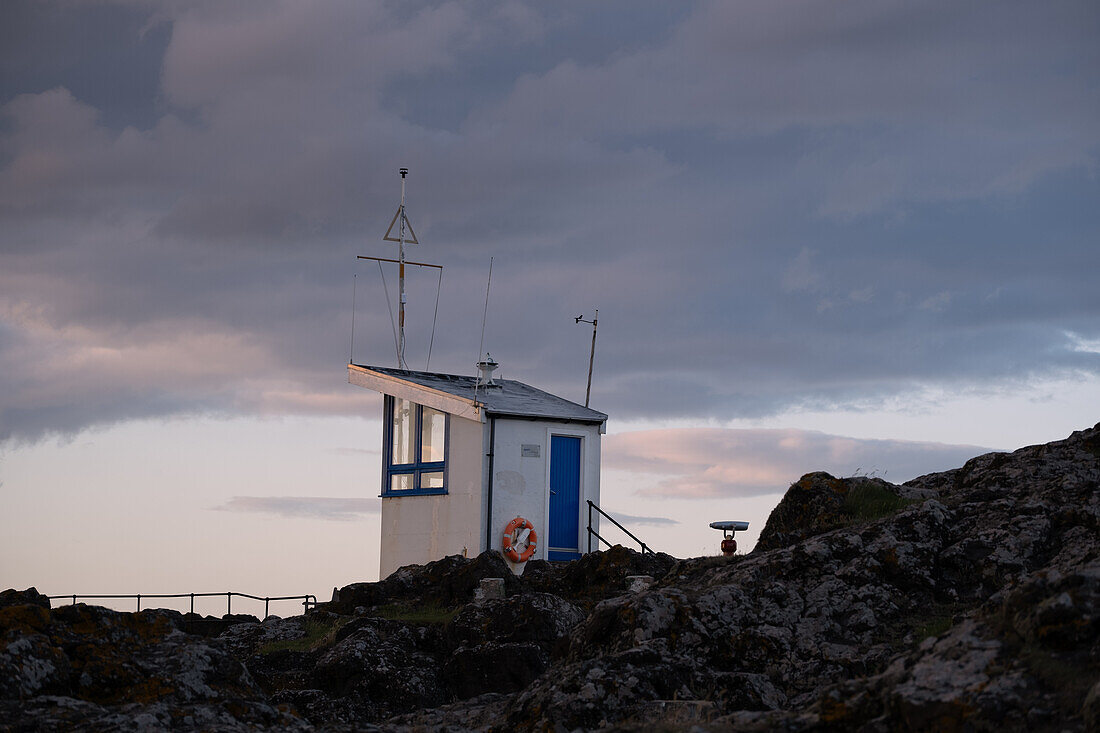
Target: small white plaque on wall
530	450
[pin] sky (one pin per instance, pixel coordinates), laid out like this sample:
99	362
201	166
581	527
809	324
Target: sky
858	237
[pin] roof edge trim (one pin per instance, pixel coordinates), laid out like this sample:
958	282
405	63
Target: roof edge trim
391	385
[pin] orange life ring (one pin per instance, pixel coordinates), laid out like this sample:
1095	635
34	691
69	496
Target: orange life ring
512	536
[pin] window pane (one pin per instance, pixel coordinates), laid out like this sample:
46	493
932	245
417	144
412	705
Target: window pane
404	418
433	431
431	480
401	482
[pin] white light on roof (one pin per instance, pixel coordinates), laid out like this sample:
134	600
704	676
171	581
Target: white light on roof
486	368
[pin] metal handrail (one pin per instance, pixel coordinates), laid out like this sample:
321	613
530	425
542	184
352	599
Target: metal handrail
306	602
645	548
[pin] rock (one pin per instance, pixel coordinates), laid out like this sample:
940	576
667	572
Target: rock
87	667
638	583
595	576
819	502
381	668
481	713
28	597
1059	610
246	640
948	681
540	618
1091	709
494	667
448	582
489	588
193	623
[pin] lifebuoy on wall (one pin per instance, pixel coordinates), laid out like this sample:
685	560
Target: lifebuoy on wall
520	540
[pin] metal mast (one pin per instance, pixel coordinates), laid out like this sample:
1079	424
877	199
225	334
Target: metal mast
402	239
591	354
401	298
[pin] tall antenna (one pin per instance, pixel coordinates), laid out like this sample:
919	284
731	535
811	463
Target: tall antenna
401	239
592	353
405	235
401	298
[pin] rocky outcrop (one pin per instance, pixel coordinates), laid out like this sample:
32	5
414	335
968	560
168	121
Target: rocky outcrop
90	668
818	503
443	583
504	645
596	576
963	600
28	597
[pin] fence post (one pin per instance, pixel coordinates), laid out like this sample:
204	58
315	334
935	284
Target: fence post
74	600
229	604
192	603
139	601
266	601
589	525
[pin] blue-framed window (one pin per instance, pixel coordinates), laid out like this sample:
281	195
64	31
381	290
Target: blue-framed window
415	460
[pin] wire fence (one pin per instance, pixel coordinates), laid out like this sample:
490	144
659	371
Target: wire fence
307	600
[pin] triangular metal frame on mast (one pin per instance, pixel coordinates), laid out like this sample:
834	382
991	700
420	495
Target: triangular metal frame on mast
400	212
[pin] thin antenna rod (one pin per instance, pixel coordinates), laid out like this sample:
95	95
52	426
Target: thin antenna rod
435	317
401	342
484	316
351	352
592	353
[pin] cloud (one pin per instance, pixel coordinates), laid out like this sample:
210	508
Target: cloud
937	302
93	374
1084	345
307	507
767	203
624	518
800	275
344	451
707	463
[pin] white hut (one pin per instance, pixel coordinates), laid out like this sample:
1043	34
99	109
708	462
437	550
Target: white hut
464	456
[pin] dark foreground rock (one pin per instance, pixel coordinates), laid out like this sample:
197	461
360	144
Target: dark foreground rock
964	600
90	668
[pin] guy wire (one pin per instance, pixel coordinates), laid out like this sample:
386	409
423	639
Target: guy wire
393	325
435	316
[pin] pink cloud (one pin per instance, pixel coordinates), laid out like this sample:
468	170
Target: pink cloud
721	462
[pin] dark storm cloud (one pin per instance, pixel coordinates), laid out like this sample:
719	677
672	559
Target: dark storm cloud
772	206
106	54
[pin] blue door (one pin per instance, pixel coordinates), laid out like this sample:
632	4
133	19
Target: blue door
565	498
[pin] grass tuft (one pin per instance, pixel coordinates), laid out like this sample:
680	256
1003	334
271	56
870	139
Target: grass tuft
866	501
934	626
318	633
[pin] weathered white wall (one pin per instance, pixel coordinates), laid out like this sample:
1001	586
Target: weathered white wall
419	529
520	484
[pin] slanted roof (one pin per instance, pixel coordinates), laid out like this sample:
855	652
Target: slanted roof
507	398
